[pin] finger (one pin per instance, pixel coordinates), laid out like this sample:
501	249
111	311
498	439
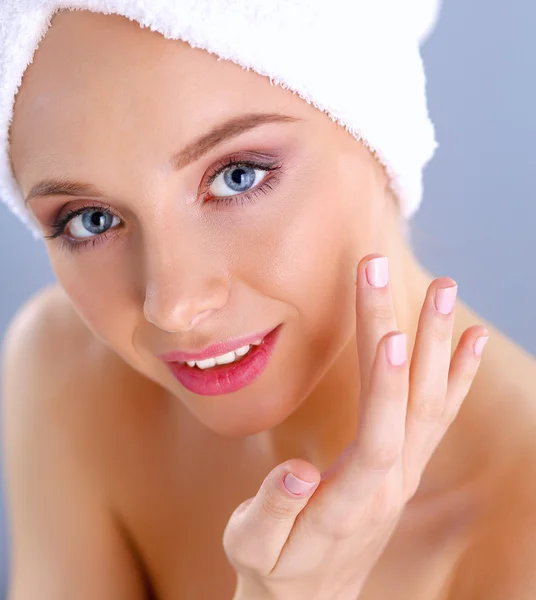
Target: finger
429	371
430	366
375	315
381	427
463	368
366	463
259	528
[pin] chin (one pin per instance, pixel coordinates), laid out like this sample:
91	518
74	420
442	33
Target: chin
251	414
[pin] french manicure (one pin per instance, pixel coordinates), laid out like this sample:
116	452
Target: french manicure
396	349
377	271
445	298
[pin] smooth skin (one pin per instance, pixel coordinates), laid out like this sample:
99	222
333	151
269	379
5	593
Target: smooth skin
121	482
328	549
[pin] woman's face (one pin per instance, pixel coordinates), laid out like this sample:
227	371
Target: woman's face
171	247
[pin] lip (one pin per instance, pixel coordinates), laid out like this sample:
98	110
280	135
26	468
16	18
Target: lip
225	379
215	349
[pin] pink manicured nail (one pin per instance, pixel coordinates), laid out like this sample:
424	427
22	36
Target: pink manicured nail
297	486
396	349
479	344
377	270
445	299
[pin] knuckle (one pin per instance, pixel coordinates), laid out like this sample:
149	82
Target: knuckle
277	506
429	408
385	508
441	332
393	387
383	313
379	312
342	529
380	458
338	521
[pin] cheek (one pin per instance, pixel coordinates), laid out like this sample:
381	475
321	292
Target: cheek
307	243
99	294
302	257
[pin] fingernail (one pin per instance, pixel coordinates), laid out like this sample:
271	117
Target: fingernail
377	270
445	299
480	343
396	349
297	486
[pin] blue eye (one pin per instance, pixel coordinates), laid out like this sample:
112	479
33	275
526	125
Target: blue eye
233	181
236	180
91	223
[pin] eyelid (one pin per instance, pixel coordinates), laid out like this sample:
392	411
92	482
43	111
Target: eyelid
64	217
253	160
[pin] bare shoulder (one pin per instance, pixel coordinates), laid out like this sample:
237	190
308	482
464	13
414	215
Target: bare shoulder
56	373
44	328
507	388
46	355
500	559
52	424
43	340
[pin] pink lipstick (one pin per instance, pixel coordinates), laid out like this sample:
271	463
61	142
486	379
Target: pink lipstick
227	378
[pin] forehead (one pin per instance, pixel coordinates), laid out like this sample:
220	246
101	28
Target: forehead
82	51
97	75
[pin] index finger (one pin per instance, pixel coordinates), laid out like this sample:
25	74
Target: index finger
375	315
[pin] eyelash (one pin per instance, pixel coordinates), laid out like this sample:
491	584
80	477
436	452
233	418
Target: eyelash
59	225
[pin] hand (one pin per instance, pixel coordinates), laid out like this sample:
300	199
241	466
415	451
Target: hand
322	544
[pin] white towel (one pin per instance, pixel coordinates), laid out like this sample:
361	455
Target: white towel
356	60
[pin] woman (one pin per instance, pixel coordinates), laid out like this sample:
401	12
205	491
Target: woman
128	449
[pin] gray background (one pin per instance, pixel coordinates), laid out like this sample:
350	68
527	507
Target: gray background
478	218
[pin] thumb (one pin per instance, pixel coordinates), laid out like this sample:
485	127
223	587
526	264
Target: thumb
259	528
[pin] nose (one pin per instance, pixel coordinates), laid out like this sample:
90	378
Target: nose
181	293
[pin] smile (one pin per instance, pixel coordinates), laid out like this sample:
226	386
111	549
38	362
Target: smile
224	359
229	372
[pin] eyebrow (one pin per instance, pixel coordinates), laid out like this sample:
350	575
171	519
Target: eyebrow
191	153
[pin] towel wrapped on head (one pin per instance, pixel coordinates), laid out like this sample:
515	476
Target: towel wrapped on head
356	60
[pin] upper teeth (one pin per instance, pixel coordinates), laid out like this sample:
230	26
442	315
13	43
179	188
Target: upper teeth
222	359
